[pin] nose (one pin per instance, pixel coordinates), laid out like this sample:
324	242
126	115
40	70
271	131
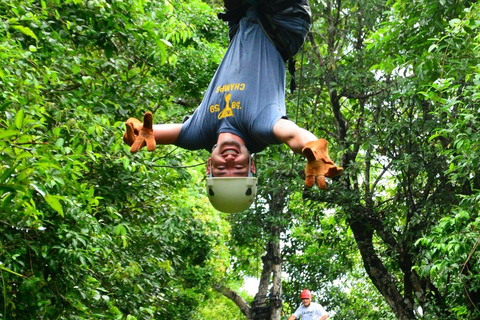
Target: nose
229	158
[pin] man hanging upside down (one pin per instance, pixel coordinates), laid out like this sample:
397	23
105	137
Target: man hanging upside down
243	110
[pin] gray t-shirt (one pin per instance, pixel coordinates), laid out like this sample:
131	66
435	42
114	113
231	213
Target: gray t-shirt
313	312
246	96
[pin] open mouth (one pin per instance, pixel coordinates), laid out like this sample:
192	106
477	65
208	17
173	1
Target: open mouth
230	147
229	151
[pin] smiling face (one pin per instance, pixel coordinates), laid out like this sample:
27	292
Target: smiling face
229	158
306	302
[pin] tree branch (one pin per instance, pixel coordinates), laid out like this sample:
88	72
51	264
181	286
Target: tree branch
236	298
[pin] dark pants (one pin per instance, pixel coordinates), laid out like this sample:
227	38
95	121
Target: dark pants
286	22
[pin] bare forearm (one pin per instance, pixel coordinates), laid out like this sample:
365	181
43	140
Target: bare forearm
292	135
292	317
166	133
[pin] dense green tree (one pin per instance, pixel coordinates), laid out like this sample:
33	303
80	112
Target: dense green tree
394	88
87	231
90	231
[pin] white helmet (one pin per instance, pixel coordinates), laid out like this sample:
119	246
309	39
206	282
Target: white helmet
232	194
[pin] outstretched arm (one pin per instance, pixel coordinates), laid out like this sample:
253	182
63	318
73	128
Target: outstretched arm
319	165
138	134
292	135
166	133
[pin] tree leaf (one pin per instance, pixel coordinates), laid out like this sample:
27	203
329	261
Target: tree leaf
25	30
7	133
19	118
11	271
54	203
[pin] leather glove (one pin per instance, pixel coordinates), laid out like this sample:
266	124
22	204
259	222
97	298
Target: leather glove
138	134
319	165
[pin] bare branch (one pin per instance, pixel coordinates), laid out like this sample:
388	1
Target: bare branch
236	298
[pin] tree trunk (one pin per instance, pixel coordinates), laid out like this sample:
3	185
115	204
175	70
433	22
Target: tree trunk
269	306
260	309
276	292
381	278
363	232
266	305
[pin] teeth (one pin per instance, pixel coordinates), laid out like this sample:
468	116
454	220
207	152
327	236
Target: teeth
229	151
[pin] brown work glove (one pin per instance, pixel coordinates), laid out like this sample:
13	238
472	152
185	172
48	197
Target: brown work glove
138	134
319	165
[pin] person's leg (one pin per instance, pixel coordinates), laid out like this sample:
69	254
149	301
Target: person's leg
288	23
231	5
234	11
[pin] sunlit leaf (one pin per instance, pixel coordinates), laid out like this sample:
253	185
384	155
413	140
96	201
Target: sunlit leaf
54	202
25	30
19	118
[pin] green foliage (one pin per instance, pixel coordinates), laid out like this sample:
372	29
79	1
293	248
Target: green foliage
218	307
403	76
450	255
451	248
87	230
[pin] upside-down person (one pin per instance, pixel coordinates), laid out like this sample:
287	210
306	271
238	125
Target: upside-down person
243	110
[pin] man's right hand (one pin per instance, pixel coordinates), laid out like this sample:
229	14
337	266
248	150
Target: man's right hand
138	134
319	165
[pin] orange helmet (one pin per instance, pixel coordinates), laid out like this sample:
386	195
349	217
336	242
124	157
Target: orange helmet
306	294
